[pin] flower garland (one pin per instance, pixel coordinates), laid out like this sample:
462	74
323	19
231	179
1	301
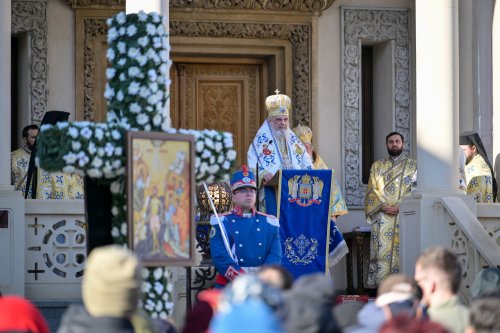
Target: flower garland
137	99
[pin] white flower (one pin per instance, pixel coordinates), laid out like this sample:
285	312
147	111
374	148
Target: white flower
142	16
145	92
115	232
163	69
226	165
122	31
170	287
73	132
94	173
134	71
92	149
122	47
122	61
228	142
124	228
143	41
112	34
209	143
100	152
154	88
86	132
212	160
115	134
214	168
152	75
118	151
131	30
163	315
115	187
133	52
82	159
116	164
197	162
231	154
110	73
121	18
218	146
152	99
135	108
146	287
145	274
147	128
220	159
110	54
97	162
158	288
156	17
142	119
109	149
157	120
109	21
99	134
114	210
119	96
163	55
206	154
133	88
76	145
160	30
158	273
159	306
109	92
142	60
68	169
150	29
122	77
62	125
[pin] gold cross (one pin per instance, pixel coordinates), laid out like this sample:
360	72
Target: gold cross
277	91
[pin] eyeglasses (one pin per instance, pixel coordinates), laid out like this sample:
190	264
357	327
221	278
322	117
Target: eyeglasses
245	190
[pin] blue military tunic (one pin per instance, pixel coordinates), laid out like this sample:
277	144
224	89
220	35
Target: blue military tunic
254	241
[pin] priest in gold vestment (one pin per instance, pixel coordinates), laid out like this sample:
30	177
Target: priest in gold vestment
479	175
339	206
390	181
54	185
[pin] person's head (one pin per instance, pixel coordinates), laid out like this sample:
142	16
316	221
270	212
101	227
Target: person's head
469	151
487	281
484	314
29	135
111	283
244	188
438	273
278	107
277	276
305	135
395	142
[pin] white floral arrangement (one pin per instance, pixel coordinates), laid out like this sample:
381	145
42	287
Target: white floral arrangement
137	99
138	76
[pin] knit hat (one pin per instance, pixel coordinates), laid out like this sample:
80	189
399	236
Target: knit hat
111	282
278	105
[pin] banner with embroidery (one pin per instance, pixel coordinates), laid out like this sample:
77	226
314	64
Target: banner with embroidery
303	206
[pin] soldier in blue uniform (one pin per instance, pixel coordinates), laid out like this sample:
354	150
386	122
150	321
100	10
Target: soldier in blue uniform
245	239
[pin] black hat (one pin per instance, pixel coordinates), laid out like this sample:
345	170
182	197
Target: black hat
53	117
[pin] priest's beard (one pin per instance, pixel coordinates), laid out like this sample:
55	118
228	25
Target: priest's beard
395	152
282	135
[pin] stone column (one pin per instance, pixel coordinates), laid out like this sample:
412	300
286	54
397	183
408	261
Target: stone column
436	29
5	99
12	230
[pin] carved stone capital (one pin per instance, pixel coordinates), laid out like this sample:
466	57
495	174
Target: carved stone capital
96	3
308	6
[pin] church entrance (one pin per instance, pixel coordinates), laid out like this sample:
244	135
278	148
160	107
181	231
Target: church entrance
224	94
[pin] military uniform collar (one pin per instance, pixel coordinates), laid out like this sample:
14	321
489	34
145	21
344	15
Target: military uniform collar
239	212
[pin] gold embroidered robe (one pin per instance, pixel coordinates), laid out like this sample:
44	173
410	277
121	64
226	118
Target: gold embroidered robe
479	180
54	185
338	207
390	180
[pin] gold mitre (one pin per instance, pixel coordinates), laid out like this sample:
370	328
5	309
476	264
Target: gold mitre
278	104
304	133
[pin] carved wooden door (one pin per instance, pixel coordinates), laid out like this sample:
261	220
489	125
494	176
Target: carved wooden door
226	97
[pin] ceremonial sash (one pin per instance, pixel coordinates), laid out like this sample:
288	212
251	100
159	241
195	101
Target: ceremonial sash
264	151
310	241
